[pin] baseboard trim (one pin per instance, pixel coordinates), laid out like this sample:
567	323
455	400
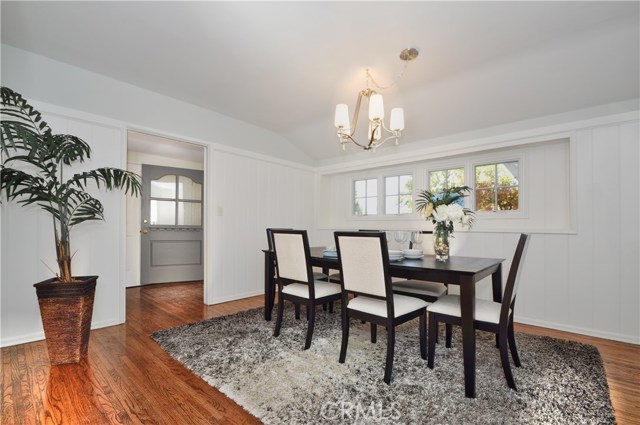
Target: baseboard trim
578	330
39	336
220	300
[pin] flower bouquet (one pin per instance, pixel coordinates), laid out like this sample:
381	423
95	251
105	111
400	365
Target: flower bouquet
444	209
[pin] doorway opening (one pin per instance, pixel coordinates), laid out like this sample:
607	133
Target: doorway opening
165	226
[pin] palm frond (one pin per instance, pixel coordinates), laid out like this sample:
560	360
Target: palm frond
111	178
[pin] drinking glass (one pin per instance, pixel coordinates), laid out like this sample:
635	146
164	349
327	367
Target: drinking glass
400	237
416	239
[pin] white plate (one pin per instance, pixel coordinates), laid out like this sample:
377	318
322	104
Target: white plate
394	253
412	252
414	257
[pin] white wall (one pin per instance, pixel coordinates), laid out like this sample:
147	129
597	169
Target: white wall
248	196
29	251
134	219
582	277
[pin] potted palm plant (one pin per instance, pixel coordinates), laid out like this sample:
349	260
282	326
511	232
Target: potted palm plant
32	172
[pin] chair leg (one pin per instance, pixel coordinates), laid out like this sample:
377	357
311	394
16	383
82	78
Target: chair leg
431	340
423	335
276	332
448	332
512	344
345	335
324	307
331	307
504	357
297	307
391	343
311	313
374	333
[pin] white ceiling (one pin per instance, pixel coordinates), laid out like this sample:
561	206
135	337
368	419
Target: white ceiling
284	65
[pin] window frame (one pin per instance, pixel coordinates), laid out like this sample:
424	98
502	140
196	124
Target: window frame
412	193
353	196
177	200
428	172
496	158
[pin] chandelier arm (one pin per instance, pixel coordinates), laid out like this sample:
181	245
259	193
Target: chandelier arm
393	136
346	136
356	114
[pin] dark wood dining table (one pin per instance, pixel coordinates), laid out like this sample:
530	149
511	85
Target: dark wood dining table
464	272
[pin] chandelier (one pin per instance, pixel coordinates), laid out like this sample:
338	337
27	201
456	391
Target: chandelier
346	129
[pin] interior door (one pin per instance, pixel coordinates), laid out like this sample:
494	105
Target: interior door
171	232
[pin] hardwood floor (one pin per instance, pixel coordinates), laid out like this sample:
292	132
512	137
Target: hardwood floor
129	379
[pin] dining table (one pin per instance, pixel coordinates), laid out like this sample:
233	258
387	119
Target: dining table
464	272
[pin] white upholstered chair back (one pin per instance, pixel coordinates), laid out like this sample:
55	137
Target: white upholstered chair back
290	256
362	264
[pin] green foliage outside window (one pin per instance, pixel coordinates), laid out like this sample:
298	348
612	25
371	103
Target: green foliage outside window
445	179
497	186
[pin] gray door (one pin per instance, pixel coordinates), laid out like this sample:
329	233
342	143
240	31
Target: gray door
171	235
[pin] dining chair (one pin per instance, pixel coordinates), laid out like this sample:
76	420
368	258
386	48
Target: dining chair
364	264
316	275
490	316
295	278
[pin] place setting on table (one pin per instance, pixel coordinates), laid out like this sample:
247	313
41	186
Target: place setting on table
400	237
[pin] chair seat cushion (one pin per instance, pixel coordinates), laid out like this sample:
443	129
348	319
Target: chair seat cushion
486	311
421	287
319	276
402	305
322	289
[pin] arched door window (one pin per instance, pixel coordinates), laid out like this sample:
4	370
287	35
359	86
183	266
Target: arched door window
175	201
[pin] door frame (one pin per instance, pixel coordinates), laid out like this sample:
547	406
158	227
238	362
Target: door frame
205	206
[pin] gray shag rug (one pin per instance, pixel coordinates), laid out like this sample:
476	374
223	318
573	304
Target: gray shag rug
560	382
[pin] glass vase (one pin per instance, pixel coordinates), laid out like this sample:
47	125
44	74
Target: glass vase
441	235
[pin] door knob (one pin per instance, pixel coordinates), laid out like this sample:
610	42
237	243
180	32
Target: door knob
145	221
144	231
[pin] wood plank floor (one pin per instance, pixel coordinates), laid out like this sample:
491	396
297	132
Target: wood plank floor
128	379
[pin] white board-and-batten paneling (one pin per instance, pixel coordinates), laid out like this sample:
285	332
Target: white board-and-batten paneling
249	195
581	271
28	250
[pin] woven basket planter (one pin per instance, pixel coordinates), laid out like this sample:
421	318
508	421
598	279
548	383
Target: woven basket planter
66	310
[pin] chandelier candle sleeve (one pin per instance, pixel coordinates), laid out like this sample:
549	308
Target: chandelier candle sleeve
342	118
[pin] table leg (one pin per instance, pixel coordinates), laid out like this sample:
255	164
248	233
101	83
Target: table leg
269	285
467	307
496	283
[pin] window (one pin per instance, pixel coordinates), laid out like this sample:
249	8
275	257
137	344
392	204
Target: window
444	179
365	197
398	191
175	201
497	186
